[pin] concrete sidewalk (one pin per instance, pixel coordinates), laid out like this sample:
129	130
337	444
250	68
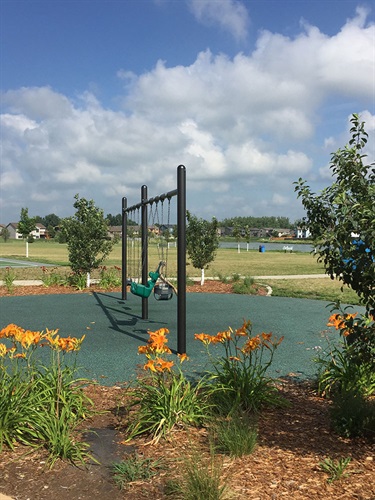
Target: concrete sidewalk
258	278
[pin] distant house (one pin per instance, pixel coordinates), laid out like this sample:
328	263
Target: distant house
40	231
302	233
115	232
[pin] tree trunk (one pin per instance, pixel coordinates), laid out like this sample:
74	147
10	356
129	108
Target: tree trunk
27	249
202	277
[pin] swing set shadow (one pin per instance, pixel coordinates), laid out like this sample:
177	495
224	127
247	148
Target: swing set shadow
123	326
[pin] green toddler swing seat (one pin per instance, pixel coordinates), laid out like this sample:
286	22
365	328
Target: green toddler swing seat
161	292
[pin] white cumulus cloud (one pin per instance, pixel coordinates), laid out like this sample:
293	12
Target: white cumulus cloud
230	15
245	127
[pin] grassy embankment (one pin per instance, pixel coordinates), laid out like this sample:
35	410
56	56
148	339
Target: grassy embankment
228	262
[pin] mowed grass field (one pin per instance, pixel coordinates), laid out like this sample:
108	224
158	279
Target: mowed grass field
228	262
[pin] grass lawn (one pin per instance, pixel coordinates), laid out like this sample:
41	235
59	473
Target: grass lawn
228	262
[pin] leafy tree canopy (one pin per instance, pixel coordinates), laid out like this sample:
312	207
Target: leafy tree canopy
258	222
202	241
26	224
87	236
342	217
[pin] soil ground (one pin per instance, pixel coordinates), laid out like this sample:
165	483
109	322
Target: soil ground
285	464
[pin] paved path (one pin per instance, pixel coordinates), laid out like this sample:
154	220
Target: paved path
5	262
283	277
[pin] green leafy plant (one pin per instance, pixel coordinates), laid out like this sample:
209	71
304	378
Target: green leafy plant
9	277
239	378
341	217
87	237
246	286
167	398
202	241
110	277
77	281
334	468
353	414
134	468
347	375
50	277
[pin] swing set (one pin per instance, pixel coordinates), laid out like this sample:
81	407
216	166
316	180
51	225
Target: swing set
157	281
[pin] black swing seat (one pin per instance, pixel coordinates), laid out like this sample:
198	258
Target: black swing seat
163	291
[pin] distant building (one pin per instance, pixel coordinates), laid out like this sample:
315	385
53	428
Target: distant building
40	231
302	233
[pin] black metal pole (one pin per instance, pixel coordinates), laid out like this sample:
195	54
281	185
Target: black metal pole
124	240
181	259
144	248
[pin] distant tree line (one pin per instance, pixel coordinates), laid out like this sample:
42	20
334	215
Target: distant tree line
258	222
53	222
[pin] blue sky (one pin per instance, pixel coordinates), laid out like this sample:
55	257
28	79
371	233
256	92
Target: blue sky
100	97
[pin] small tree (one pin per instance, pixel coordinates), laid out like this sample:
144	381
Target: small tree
202	241
342	217
25	226
237	233
87	237
5	234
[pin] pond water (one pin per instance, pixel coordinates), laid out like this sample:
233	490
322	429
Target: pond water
254	245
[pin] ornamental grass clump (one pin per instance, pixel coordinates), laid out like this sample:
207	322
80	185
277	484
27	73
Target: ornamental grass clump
41	405
239	377
165	398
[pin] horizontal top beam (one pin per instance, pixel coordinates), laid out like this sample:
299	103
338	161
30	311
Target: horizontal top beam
151	201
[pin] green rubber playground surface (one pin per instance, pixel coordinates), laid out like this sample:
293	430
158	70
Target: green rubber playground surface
114	328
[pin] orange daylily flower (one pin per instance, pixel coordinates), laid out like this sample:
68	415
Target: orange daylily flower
163	365
150	365
183	357
158	339
336	320
234	358
144	349
28	338
10	331
222	336
204	337
3	350
251	344
243	330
